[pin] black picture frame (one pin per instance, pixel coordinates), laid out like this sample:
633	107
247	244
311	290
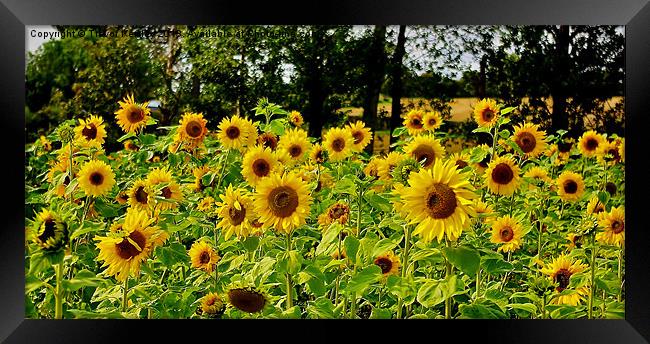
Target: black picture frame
15	15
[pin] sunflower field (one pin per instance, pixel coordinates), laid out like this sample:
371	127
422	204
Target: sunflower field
255	219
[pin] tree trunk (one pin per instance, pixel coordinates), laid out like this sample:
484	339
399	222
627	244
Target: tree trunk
376	64
315	86
397	83
480	91
559	118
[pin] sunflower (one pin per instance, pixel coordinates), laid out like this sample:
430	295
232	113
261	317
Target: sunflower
282	201
317	154
124	251
45	143
575	241
338	212
295	118
388	263
425	149
439	201
404	168
387	165
502	176
192	130
338	143
203	256
362	135
206	204
432	120
212	304
282	157
414	122
486	112
570	186
130	146
258	163
139	195
621	150
132	117
484	211
50	231
198	173
608	152
90	132
372	168
595	206
268	140
249	300
96	178
508	232
590	142
613	224
170	190
530	139
460	159
233	132
122	197
251	129
560	271
296	143
538	175
236	212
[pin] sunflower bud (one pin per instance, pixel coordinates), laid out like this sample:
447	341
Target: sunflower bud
66	134
50	232
404	168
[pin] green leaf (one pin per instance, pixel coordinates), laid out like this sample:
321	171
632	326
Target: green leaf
603	197
126	137
172	254
384	245
251	243
322	308
276	127
87	227
363	279
497	266
399	131
351	245
527	307
378	202
330	235
32	283
292	313
83	278
381	313
507	110
106	209
482	130
147	139
479	311
465	259
290	262
431	294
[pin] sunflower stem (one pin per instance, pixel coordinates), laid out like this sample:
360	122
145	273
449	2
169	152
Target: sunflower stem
447	274
620	274
125	291
216	264
289	284
543	306
539	238
58	295
223	168
405	257
592	287
478	283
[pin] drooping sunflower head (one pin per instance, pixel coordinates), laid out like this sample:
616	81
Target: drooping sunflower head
432	120
236	213
414	122
90	132
372	168
192	129
249	300
561	269
124	250
296	142
590	142
203	257
161	180
141	195
50	231
387	165
570	186
295	118
339	143
486	112
258	163
317	154
439	201
613	225
538	175
595	206
507	232
233	132
361	135
212	304
404	168
425	149
282	201
268	140
96	178
132	117
502	176
388	263
530	139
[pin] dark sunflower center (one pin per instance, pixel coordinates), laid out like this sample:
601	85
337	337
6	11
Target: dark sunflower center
358	136
135	115
141	196
618	226
384	263
424	154
89	132
416	123
591	144
507	234
204	258
96	178
283	201
485	161
236	216
562	278
502	174
48	230
610	188
194	129
233	132
319	156
526	141
211	300
441	201
461	164
261	167
564	147
268	140
614	154
338	144
338	210
432	122
256	223
487	115
167	192
126	250
570	186
247	300
295	151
